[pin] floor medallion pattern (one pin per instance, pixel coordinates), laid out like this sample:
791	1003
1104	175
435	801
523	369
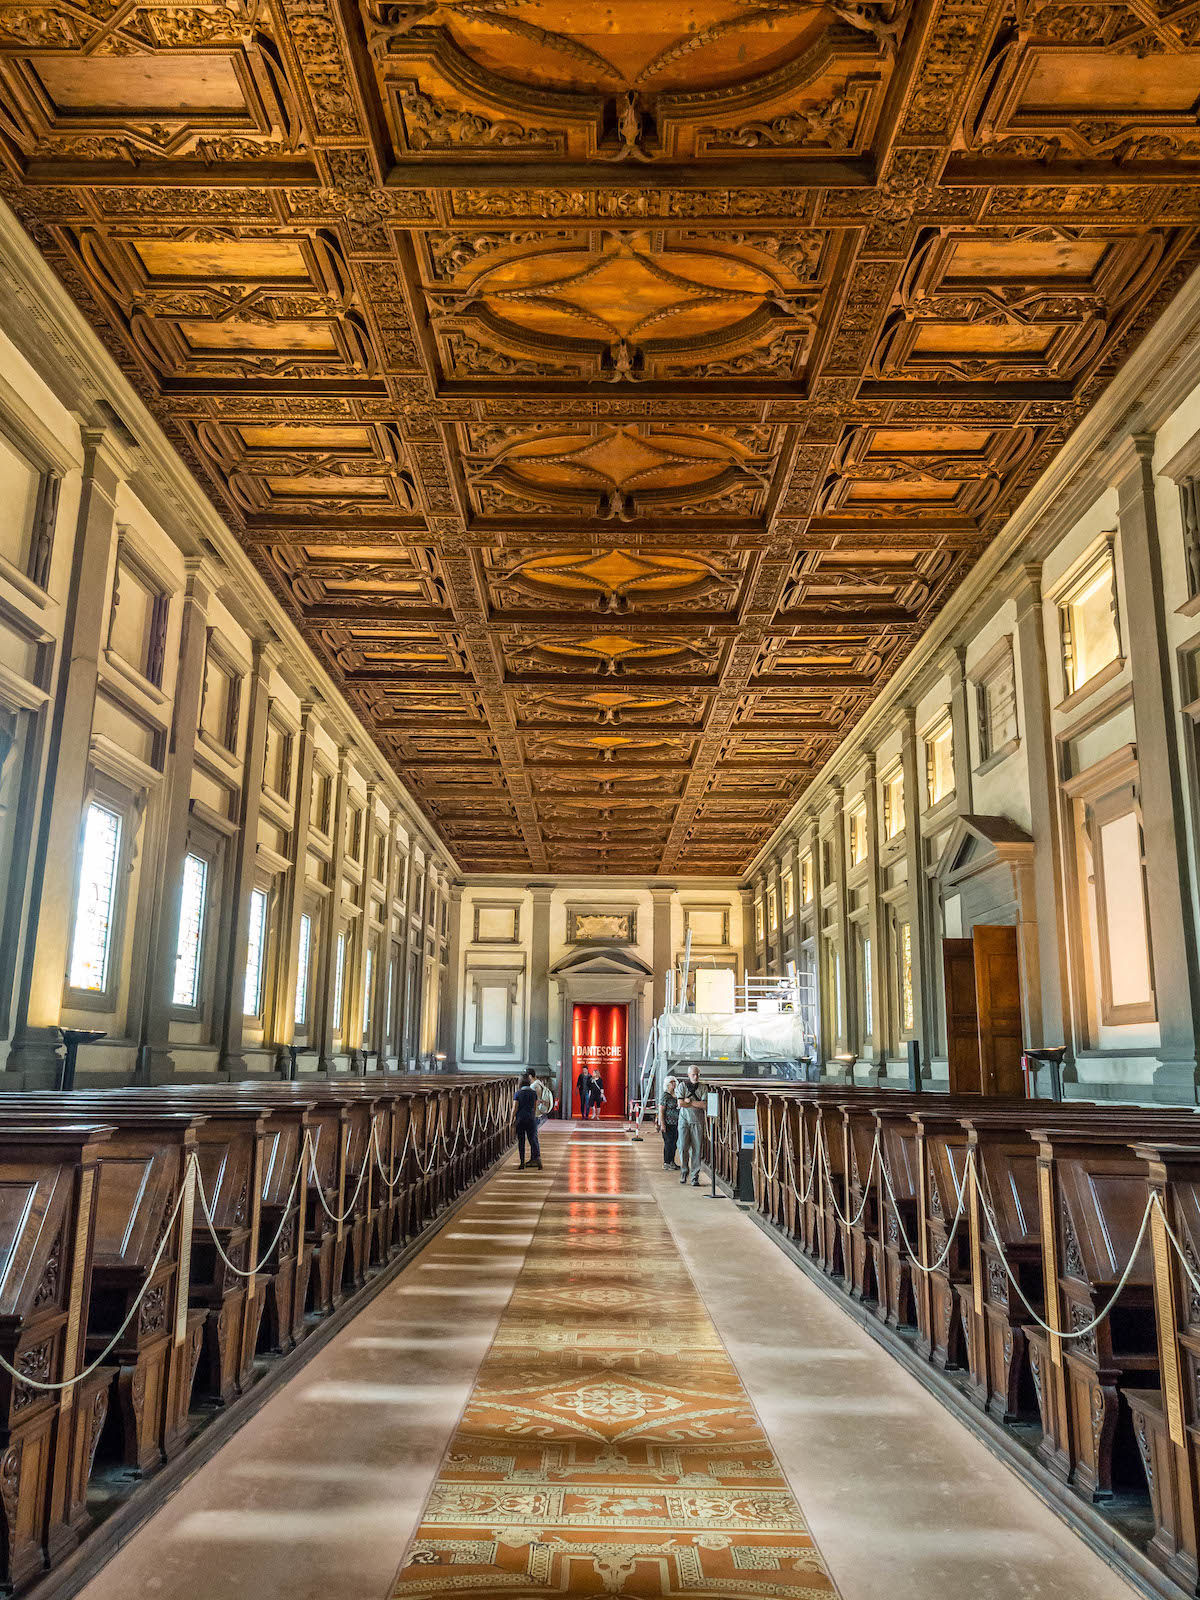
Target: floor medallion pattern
608	1446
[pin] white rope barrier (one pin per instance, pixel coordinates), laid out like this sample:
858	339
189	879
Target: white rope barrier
1062	1333
332	1215
912	1254
69	1383
192	1173
824	1153
248	1272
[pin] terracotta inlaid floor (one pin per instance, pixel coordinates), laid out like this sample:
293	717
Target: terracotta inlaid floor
608	1446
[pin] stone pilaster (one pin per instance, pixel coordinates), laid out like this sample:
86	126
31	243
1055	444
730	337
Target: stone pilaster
843	1036
283	1025
662	897
1163	810
107	464
451	1008
873	1021
826	1021
1045	996
960	727
230	1017
539	977
331	926
919	925
162	902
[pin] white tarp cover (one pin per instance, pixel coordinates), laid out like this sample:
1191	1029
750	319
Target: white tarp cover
747	1035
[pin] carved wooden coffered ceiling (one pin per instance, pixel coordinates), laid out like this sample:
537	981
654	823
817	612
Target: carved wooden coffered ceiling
611	393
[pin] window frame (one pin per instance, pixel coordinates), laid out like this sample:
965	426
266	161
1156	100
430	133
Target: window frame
984	676
856	823
264	887
1067	594
107	797
893	828
942	728
207	847
807	863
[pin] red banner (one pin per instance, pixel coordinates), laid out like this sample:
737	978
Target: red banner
598	1043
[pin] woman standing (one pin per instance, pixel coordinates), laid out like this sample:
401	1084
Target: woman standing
668	1122
526	1099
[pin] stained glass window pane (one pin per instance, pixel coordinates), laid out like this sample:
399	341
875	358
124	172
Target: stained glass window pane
96	904
191	931
303	957
368	974
906	978
339	976
255	953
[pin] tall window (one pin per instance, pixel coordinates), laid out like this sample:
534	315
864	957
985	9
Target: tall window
868	985
95	907
789	896
256	950
303	966
1088	619
773	907
806	879
368	976
904	951
339	980
192	905
858	834
893	804
759	926
939	764
391	992
997	693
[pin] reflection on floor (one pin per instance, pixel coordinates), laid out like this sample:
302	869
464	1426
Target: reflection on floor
609	1446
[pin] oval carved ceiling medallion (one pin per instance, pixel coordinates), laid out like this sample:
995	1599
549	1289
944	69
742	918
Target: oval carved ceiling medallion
625	44
613	578
627	290
607	468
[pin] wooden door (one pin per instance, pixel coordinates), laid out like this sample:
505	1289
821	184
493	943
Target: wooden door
962	1016
998	1004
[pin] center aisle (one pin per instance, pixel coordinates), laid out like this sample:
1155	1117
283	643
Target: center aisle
609	1446
565	1394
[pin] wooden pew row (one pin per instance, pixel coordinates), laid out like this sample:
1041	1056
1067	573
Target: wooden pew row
1020	1213
109	1257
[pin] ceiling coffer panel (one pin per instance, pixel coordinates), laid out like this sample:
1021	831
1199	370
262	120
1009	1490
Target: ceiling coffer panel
611	393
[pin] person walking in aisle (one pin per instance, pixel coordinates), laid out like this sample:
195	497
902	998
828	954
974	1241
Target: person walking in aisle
583	1092
598	1094
691	1095
526	1099
668	1122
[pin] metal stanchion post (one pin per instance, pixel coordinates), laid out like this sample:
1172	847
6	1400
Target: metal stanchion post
713	1109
